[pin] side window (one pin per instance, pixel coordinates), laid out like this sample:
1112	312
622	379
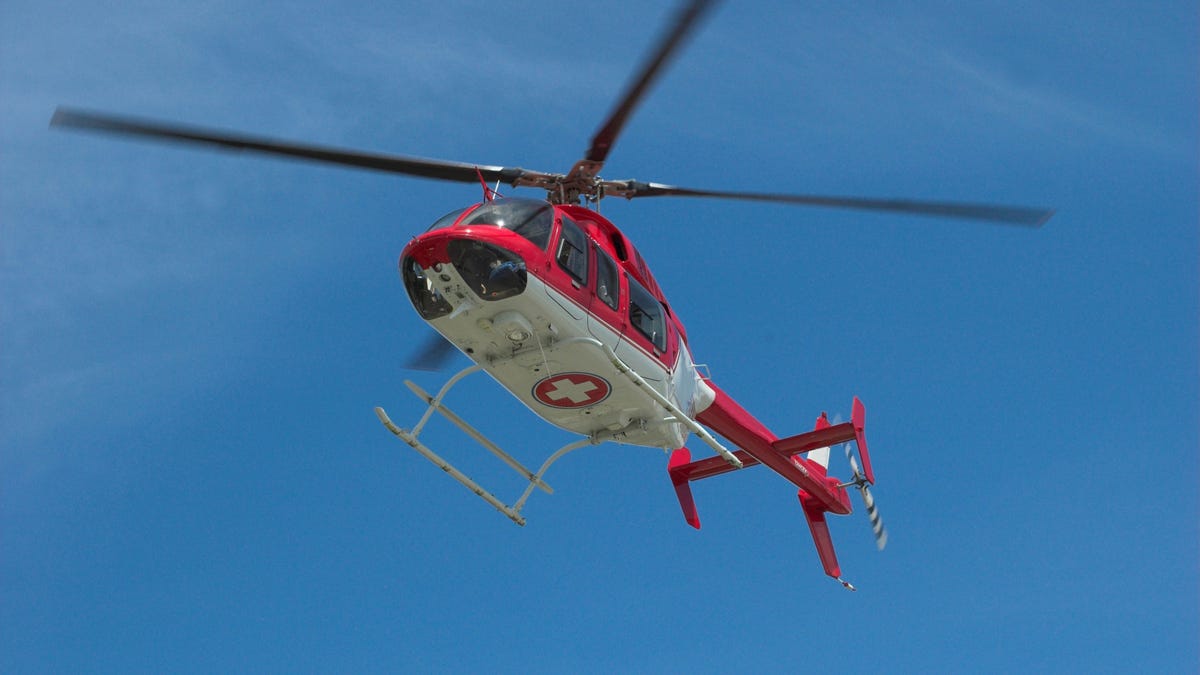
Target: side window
573	251
647	315
608	287
618	243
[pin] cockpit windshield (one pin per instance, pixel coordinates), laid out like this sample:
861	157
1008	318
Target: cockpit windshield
448	219
529	218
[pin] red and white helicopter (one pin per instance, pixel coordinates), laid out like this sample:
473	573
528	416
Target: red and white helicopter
555	303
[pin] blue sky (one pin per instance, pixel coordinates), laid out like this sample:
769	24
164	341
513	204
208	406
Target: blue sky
191	342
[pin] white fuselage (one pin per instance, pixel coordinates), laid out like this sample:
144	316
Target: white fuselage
548	351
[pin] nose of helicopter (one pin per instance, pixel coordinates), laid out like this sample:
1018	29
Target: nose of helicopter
440	268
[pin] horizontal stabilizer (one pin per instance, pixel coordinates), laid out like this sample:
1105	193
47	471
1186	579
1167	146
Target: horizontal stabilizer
802	459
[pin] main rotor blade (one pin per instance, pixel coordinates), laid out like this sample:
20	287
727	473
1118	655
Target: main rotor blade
1012	215
685	21
434	354
412	166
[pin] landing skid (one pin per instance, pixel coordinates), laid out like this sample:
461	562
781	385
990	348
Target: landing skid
435	404
534	478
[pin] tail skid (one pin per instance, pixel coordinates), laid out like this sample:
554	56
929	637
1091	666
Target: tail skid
819	493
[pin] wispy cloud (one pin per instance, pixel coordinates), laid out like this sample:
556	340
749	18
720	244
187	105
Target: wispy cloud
1051	109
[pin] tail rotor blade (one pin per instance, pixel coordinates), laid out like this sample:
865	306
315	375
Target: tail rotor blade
860	482
853	462
877	527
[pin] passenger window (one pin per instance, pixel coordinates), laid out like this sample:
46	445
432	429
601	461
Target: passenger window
646	314
607	282
573	251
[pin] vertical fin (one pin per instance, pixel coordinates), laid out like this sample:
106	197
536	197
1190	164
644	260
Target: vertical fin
683	487
821	455
820	534
858	417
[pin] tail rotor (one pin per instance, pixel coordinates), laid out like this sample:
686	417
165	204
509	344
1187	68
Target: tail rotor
861	482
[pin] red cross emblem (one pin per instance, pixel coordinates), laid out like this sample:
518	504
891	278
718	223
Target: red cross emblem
571	390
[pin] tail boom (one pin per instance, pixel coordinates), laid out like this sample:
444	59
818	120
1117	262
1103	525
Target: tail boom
819	493
731	420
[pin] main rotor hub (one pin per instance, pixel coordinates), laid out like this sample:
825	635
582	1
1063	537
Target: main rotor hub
581	184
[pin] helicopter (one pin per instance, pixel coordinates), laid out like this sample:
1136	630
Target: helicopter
555	303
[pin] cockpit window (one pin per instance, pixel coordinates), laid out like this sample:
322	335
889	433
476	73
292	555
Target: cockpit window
429	303
527	217
447	220
646	314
